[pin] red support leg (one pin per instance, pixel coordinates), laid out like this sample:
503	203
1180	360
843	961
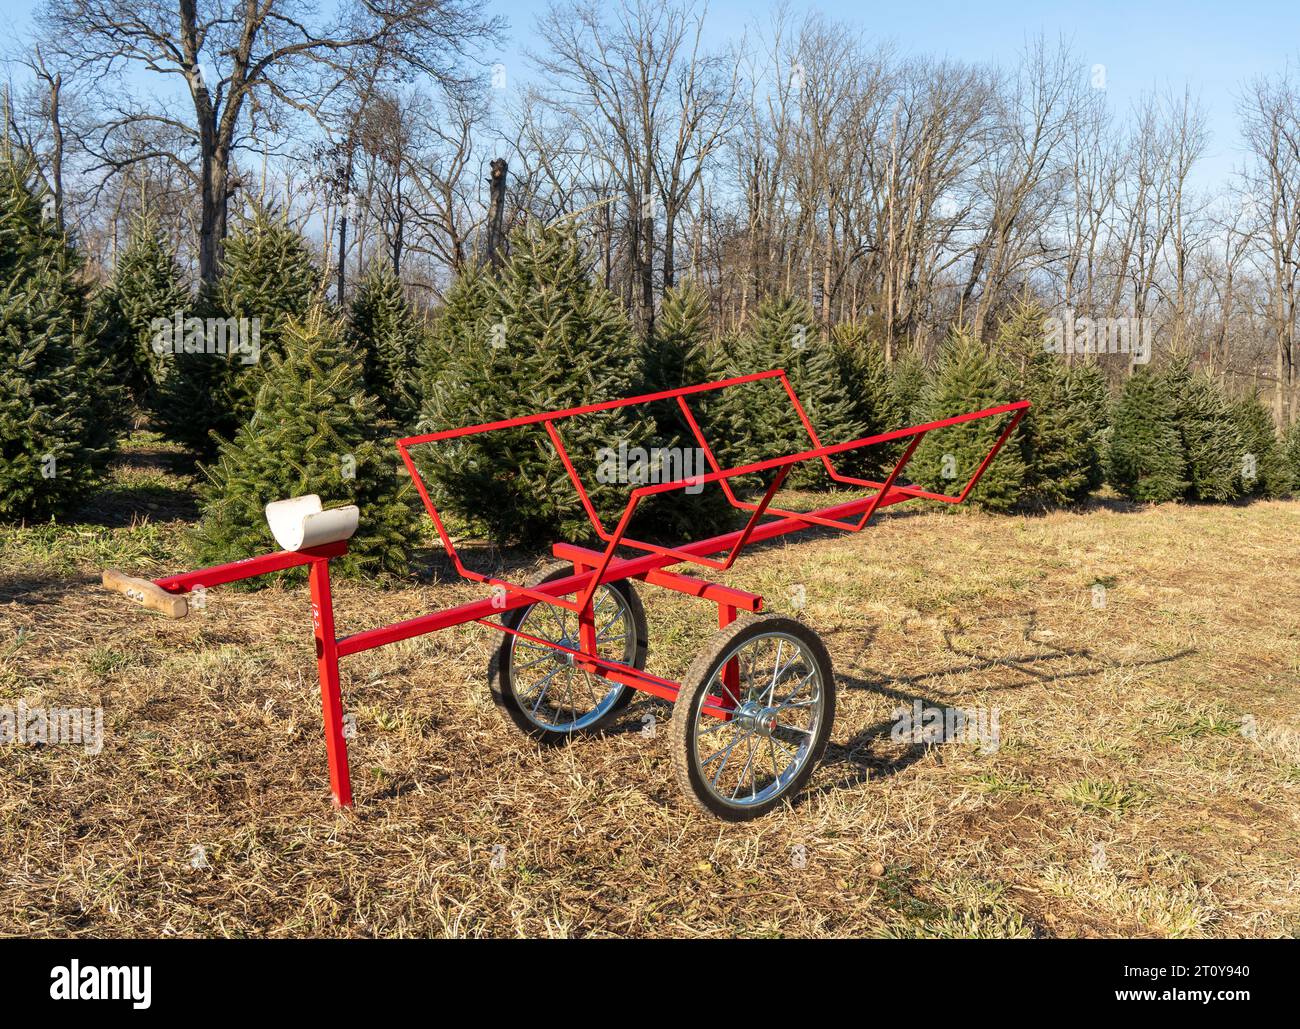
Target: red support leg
731	671
327	663
586	625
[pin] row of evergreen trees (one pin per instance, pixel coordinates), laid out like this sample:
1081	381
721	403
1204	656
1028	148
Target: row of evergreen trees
60	410
314	412
305	417
544	336
318	410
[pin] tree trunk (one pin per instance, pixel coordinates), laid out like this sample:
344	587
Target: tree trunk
643	258
648	279
213	198
496	212
56	155
670	220
343	252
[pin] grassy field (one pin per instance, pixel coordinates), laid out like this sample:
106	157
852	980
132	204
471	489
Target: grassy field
1144	665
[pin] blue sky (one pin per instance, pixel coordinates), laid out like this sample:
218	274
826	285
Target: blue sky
1212	46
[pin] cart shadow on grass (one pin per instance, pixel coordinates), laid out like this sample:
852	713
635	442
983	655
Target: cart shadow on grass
854	762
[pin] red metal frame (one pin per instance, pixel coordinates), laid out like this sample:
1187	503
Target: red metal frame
591	568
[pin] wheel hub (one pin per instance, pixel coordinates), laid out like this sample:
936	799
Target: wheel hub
754	717
563	657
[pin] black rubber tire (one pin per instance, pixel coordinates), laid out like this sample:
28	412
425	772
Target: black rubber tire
503	695
706	664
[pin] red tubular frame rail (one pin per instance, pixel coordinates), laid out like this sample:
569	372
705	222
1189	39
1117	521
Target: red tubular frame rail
592	568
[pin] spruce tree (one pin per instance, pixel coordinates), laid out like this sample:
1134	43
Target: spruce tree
1145	460
860	365
1088	394
970	377
1291	451
724	414
1057	435
268	278
1053	438
59	411
679	354
146	285
314	429
549	338
1212	446
1021	335
385	331
909	377
461	322
1264	470
761	421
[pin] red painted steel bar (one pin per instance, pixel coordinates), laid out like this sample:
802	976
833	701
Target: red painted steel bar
331	697
248	568
605	405
547	420
619	672
675	581
793	522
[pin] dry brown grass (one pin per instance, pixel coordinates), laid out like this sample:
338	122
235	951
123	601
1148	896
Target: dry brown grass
1124	798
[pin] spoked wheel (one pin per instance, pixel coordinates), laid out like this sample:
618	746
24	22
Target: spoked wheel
540	688
781	701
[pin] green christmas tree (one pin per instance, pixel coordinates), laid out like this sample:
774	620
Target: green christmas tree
146	287
909	378
679	354
861	368
386	332
314	429
1265	470
1089	395
268	278
1057	436
969	377
1212	446
461	323
1021	335
759	422
1145	460
1291	450
59	411
549	338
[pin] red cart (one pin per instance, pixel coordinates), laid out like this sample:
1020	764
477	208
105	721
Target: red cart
753	713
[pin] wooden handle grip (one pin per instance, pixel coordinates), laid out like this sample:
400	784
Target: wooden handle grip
144	592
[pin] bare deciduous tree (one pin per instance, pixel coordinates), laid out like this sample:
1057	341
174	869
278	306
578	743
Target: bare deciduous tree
235	58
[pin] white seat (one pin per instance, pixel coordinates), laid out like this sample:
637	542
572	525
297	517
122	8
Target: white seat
300	522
